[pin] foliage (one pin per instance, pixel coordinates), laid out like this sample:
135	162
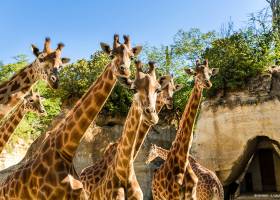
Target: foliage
243	54
187	47
238	57
190	45
6	71
275	19
76	78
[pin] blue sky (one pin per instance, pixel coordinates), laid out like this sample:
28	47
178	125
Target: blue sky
83	24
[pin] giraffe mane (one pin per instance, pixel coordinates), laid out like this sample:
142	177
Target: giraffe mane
17	73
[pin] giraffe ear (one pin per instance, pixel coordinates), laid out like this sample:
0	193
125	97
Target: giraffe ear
106	48
215	71
35	50
161	79
65	60
136	50
190	71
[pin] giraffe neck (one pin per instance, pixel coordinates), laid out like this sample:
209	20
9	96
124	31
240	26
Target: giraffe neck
125	150
20	82
70	131
144	130
9	125
180	148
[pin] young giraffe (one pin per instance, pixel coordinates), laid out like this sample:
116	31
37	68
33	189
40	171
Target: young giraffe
92	175
170	181
44	67
30	103
209	186
119	181
50	174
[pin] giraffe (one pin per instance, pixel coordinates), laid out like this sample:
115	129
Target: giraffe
50	173
45	67
170	181
30	103
209	186
92	175
119	181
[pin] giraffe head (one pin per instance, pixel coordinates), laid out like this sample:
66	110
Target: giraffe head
153	154
49	62
147	88
168	87
33	103
121	54
202	74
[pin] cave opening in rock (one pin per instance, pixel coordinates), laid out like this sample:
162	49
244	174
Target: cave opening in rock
257	171
261	173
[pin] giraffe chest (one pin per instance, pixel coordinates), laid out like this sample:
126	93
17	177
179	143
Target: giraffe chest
164	186
46	177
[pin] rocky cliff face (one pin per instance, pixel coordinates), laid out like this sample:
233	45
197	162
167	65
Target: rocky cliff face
227	127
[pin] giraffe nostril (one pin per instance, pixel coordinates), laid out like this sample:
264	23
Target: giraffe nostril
148	110
208	84
122	68
53	78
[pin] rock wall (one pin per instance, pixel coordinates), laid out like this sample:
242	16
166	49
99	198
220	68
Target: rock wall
226	126
221	136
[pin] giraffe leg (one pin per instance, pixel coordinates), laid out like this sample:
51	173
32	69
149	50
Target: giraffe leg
190	184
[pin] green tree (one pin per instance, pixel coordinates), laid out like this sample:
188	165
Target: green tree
239	57
275	9
6	71
190	46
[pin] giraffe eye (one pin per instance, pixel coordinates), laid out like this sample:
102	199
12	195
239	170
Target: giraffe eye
132	58
31	100
158	90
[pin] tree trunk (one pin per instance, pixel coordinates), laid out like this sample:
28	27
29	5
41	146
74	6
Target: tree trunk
275	8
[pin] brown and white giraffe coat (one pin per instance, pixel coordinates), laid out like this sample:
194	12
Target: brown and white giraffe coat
209	186
169	181
50	174
92	175
119	180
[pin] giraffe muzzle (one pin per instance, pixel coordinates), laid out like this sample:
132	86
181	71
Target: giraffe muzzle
150	116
